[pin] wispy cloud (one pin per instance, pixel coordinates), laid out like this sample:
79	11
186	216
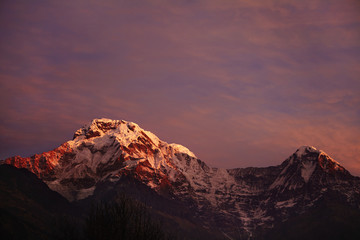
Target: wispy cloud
239	82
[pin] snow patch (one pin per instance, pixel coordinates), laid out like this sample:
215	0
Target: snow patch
84	193
287	166
278	182
285	204
152	137
181	149
305	149
307	169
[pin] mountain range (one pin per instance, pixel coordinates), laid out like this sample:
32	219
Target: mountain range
110	156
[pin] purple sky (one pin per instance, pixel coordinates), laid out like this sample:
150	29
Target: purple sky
240	83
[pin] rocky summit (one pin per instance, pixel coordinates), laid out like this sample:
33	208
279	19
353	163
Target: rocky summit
236	202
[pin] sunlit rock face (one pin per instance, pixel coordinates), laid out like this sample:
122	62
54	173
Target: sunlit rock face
251	198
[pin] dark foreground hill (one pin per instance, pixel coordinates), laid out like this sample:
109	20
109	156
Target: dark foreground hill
29	209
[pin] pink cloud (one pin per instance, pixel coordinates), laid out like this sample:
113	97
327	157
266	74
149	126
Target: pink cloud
241	83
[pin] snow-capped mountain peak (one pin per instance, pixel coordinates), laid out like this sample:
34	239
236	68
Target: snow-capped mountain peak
308	165
105	150
124	131
310	157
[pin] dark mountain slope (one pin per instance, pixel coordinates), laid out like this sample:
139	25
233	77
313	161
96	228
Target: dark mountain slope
28	209
329	219
175	216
